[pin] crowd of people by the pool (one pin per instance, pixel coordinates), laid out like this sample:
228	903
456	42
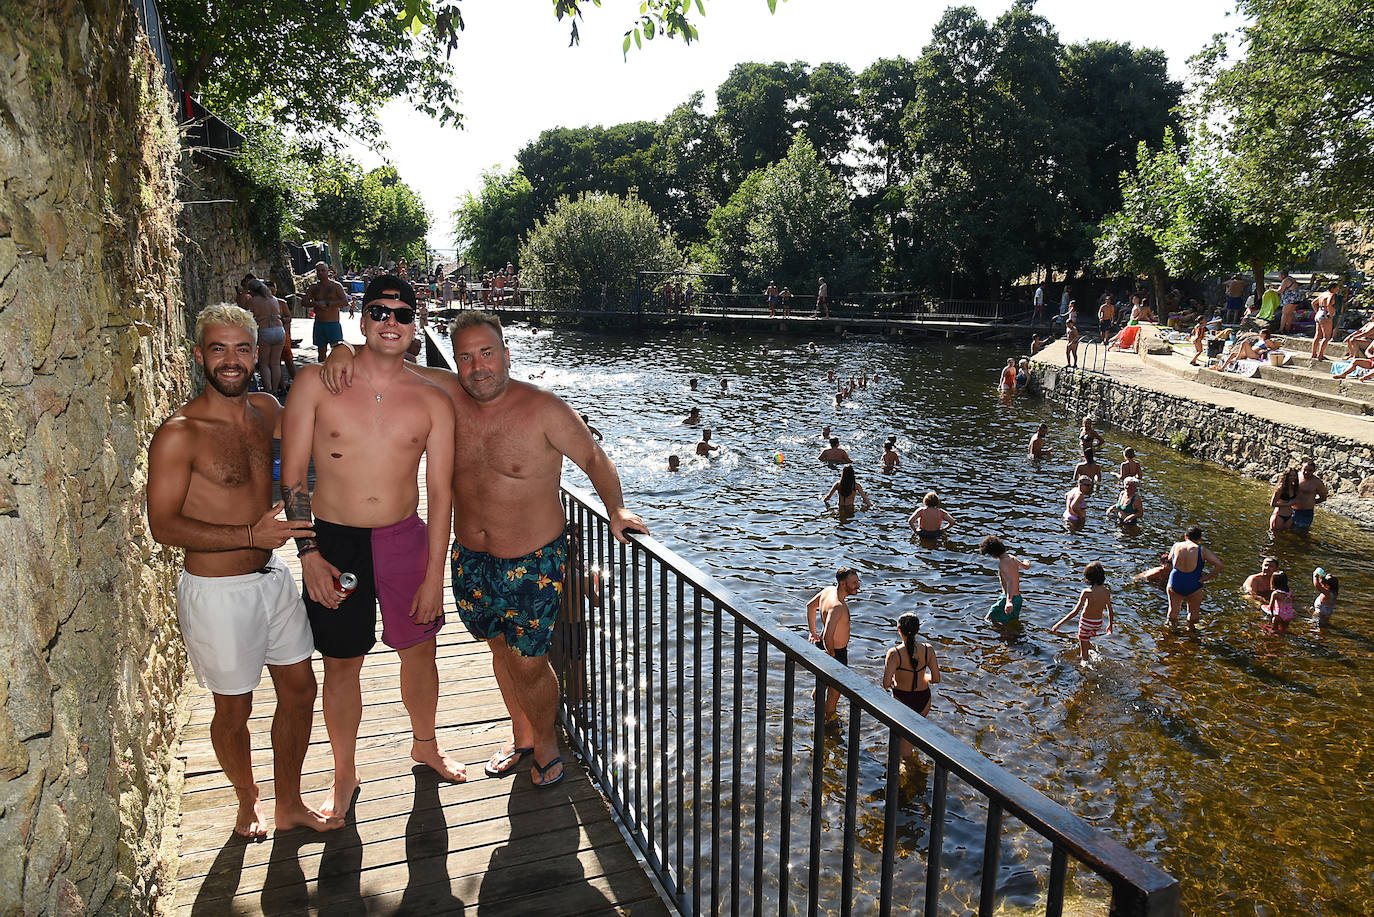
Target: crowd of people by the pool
1240	326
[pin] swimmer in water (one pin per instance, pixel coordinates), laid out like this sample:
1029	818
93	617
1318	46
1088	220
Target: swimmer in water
1076	501
834	453
674	462
1156	576
706	447
909	669
1037	442
847	487
1007	608
1007	383
1129	507
1130	468
930	519
1189	576
591	429
1088	467
1260	584
692	382
1094	604
890	457
693	416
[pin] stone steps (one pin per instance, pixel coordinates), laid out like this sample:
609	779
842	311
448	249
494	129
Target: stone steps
1295	386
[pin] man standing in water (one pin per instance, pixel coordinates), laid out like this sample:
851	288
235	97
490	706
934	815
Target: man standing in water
367	443
832	603
210	492
326	297
1311	491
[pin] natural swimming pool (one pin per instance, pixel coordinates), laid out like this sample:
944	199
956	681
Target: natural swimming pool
1238	760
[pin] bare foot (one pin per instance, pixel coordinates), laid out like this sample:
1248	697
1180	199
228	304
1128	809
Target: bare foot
301	815
250	822
430	753
340	798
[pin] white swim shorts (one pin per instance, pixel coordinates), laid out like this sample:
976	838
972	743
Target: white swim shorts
233	625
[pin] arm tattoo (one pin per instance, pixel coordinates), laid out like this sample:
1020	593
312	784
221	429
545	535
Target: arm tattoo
297	500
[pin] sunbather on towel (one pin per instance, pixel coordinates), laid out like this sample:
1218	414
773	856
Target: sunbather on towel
1247	351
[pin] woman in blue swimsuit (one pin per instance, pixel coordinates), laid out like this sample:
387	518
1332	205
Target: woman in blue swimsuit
1189	575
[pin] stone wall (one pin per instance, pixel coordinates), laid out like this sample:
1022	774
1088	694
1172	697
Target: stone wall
1252	445
93	355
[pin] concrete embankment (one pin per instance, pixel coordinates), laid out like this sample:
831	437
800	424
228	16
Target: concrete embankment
1246	432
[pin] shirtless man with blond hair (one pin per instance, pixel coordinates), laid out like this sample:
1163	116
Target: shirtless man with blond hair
210	492
510	550
367	443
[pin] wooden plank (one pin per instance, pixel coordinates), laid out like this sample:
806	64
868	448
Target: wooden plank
413	844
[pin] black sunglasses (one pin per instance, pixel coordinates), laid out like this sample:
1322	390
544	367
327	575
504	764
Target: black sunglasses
404	314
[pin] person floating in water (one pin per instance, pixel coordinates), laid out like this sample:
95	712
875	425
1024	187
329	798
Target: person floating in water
706	447
1007	608
1156	576
909	669
930	519
1094	604
847	487
832	634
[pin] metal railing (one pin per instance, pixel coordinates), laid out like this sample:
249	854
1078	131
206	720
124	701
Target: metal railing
689	707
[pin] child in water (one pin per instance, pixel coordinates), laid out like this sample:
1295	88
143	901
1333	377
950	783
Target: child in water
1007	608
1094	603
1280	607
1328	587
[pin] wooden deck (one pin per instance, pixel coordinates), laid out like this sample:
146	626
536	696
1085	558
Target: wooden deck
412	844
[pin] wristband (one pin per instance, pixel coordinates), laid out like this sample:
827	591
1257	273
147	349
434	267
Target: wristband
250	535
307	549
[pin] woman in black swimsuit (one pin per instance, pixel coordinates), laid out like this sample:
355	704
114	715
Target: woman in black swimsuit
909	671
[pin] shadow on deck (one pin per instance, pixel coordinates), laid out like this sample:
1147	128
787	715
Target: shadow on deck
412	844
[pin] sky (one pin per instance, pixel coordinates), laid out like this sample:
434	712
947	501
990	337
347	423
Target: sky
517	76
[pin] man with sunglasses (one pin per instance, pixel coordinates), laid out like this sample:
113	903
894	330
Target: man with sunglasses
366	444
510	551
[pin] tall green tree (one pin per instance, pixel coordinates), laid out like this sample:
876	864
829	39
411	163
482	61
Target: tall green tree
693	156
396	220
338	209
789	223
570	161
1298	103
594	239
755	110
490	223
828	113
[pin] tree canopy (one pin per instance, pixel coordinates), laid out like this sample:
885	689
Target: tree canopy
489	224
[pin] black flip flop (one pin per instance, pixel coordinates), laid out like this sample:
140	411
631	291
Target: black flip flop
543	769
509	761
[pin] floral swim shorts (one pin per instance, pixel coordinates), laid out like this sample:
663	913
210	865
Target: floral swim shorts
515	598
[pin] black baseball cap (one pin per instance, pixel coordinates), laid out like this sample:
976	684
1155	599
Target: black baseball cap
380	287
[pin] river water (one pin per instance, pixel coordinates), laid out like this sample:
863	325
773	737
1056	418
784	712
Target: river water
1236	759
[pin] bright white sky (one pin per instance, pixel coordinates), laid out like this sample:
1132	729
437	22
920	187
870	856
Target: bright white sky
518	76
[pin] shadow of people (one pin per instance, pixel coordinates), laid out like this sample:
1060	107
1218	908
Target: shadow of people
337	887
543	846
429	889
222	881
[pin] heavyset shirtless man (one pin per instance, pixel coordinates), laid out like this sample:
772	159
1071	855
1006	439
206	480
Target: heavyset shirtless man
367	443
509	550
210	492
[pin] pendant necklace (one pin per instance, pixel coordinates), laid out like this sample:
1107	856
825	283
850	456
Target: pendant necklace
370	385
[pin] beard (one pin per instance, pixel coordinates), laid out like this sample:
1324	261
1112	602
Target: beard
229	390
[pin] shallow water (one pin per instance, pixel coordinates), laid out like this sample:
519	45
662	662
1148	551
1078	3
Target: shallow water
1236	759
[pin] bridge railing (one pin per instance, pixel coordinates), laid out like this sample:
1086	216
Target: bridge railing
691	709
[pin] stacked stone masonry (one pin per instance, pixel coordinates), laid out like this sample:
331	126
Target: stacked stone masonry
1250	444
93	356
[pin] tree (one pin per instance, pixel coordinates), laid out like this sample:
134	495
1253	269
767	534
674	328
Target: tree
396	222
828	113
490	223
886	88
755	111
338	210
787	223
1298	105
569	161
322	66
594	239
693	156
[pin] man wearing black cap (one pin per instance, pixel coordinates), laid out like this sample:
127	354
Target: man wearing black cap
367	444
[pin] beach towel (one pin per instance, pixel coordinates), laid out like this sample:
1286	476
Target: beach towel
1245	368
1341	366
1269	305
